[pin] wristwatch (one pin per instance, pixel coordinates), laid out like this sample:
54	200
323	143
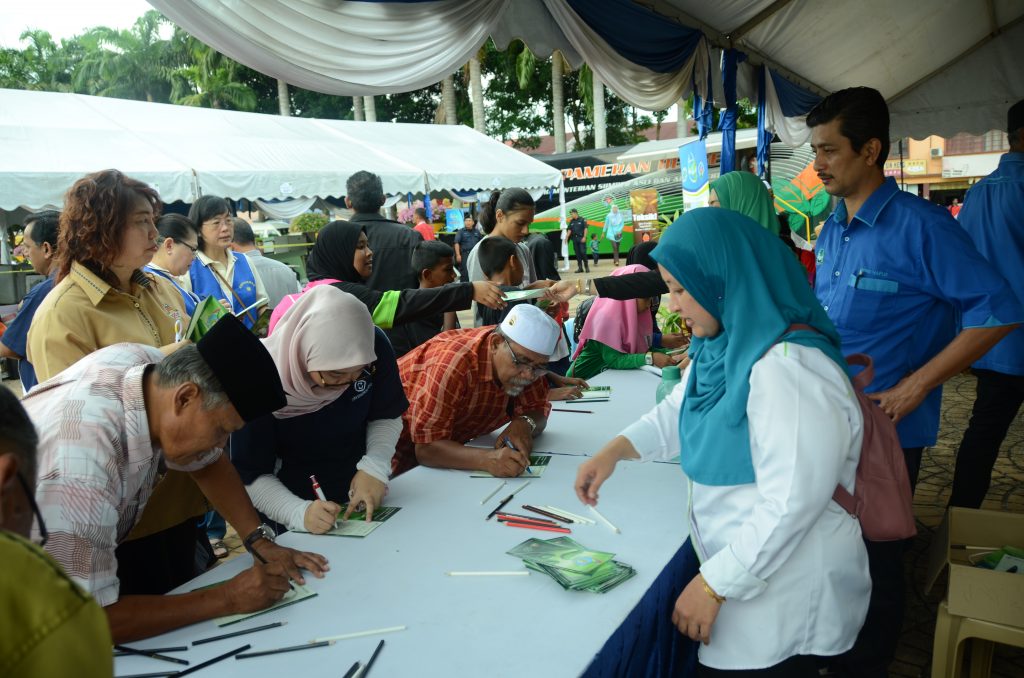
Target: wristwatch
529	420
649	358
262	532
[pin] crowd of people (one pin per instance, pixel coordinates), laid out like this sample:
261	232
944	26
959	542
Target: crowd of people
114	466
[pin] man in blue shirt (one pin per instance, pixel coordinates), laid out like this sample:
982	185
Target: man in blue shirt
578	233
993	217
40	239
465	240
894	272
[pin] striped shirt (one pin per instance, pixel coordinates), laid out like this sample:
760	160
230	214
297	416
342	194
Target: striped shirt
97	463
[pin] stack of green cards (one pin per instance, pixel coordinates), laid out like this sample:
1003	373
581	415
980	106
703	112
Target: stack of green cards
573	566
357	526
538	462
207	313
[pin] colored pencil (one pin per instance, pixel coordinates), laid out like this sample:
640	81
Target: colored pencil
527	522
567	514
180	648
518	489
546	513
280	650
216	659
151	654
535	519
494	492
239	633
558	409
534	526
257	556
500	506
351	671
604	520
360	634
373	658
158	674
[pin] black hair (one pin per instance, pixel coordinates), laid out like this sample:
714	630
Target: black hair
17	434
574	210
509	200
420	212
45	227
243	234
493	254
205	208
862	113
365	192
429	254
177	227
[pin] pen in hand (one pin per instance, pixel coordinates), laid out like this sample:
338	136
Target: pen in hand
508	444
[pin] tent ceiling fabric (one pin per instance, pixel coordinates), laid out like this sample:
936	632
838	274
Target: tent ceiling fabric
49	140
900	48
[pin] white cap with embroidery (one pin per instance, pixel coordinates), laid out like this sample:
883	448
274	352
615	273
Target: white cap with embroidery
531	328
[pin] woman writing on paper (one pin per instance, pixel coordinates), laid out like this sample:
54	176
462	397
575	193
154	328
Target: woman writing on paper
219	271
617	336
342	257
342	422
766	424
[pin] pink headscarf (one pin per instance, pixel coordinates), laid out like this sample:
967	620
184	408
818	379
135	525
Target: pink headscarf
325	329
618	324
290	299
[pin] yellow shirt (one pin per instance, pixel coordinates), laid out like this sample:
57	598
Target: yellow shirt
52	627
84	313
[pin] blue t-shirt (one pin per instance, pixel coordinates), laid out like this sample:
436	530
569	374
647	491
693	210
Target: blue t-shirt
993	216
467	239
895	280
16	335
327	443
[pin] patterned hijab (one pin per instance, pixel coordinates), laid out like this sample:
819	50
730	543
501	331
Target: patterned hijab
750	283
325	329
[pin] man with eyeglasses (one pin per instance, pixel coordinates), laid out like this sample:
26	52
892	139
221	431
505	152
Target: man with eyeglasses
465	383
52	627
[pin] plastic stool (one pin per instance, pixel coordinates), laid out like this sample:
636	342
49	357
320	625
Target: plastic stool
952	630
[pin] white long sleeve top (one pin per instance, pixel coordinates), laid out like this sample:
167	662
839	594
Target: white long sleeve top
790	562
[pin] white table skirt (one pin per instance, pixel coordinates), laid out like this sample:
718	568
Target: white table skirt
457	626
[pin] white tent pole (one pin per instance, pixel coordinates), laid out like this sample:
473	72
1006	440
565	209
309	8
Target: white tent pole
562	225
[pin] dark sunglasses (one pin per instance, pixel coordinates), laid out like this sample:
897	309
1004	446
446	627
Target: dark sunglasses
30	495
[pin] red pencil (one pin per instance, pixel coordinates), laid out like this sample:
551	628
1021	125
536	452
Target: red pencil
535	526
506	519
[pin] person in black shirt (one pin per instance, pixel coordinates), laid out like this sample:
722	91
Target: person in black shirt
578	233
392	243
465	240
434	260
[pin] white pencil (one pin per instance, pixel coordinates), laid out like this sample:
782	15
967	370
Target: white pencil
516	491
496	573
604	520
359	634
496	490
572	516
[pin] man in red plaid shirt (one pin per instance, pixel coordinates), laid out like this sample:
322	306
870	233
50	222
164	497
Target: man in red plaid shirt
465	383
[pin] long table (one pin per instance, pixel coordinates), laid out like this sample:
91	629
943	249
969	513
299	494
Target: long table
590	425
457	626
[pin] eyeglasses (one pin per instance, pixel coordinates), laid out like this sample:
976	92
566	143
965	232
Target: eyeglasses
30	495
522	364
365	375
185	244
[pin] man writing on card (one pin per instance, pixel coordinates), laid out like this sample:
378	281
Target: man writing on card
465	383
109	426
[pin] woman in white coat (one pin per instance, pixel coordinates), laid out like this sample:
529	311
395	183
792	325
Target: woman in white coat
766	425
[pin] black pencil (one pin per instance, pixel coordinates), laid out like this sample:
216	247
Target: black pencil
280	650
558	409
239	633
158	674
151	654
500	506
216	659
352	671
546	513
180	648
263	560
373	658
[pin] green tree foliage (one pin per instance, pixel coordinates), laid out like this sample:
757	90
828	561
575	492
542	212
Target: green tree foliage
128	64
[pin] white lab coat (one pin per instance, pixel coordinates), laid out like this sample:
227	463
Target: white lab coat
789	560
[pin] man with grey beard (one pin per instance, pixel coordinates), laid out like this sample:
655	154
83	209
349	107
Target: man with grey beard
465	383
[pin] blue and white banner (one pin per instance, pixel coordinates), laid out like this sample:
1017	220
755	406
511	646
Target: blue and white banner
693	169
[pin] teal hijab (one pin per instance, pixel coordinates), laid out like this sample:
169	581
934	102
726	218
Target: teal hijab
753	286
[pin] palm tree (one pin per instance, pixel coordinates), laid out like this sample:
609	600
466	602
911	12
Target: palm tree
476	94
283	100
371	108
448	101
357	109
129	64
208	78
558	68
47	65
600	133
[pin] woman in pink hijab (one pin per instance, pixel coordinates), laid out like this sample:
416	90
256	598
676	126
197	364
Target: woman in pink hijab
617	335
342	421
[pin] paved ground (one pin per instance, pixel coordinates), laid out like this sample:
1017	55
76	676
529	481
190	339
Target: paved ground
1006	494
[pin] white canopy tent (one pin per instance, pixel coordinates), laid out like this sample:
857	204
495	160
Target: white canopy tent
50	139
945	66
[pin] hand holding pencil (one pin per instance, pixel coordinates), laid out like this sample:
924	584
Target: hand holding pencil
257	588
506	462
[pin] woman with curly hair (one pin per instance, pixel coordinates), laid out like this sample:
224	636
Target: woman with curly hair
103	297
